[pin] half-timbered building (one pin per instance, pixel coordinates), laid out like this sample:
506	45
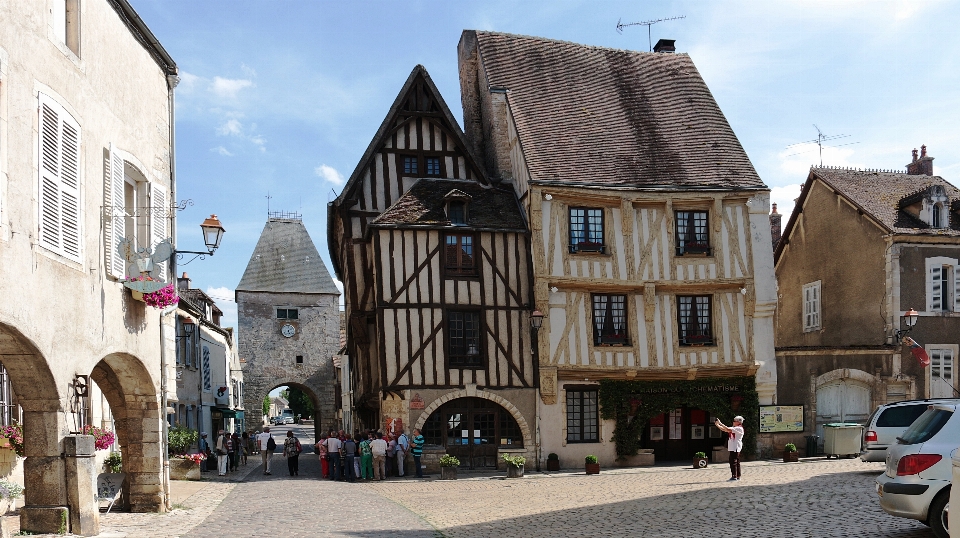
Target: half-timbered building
435	264
650	238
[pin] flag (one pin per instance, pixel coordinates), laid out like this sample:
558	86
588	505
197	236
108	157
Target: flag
917	351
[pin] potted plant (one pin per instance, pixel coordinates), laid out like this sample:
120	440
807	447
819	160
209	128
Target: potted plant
553	462
592	464
186	466
514	465
700	460
790	453
113	463
448	467
9	493
13	436
102	437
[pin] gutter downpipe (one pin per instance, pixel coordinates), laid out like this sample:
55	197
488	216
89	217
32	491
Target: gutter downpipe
164	442
172	81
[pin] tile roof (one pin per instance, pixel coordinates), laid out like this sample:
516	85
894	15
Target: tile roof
285	260
198	299
425	205
879	194
610	117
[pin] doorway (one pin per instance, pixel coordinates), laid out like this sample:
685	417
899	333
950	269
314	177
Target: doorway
473	430
843	400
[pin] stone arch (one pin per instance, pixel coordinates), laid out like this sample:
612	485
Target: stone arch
843	374
528	441
320	422
135	403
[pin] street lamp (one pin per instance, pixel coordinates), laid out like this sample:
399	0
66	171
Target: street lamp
908	320
536	320
212	235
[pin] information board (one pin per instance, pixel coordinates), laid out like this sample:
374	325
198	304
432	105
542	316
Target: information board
781	418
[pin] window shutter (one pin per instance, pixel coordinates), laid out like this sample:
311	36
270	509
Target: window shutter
49	176
815	307
59	203
158	224
113	197
956	290
70	188
935	288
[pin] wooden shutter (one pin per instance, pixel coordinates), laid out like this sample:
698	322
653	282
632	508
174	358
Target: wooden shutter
158	223
935	295
956	288
113	229
815	307
59	200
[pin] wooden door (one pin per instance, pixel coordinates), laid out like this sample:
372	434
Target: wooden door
941	373
844	400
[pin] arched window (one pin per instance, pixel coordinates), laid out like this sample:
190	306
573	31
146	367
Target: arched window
937	221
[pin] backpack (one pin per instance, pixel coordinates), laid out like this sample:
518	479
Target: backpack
271	444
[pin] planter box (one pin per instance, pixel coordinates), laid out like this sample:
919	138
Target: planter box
184	470
699	463
592	468
643	458
553	465
514	472
448	473
791	457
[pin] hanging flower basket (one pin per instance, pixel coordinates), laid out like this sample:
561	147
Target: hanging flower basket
143	284
13	435
163	297
102	437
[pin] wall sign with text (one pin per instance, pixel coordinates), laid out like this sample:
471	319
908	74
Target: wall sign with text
781	418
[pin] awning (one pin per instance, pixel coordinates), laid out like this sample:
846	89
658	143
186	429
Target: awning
225	413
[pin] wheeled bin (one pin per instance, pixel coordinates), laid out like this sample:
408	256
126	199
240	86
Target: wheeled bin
842	439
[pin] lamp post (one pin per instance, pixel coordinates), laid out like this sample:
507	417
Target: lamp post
536	321
908	320
213	232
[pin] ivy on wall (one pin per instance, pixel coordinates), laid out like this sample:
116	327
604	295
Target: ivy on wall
633	403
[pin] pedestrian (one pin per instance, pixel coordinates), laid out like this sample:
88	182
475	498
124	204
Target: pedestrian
356	459
350	456
334	448
251	443
244	442
264	440
223	452
417	451
734	444
291	451
366	458
378	447
204	446
321	447
234	451
403	446
391	454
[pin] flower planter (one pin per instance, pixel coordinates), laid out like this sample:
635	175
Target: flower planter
137	296
699	463
791	457
514	472
592	468
184	469
553	465
448	473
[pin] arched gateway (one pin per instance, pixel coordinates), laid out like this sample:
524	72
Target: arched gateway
474	429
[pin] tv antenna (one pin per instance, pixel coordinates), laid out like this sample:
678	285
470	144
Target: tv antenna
821	138
648	24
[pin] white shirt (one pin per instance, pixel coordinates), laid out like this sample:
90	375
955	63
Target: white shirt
378	447
735	443
262	441
333	445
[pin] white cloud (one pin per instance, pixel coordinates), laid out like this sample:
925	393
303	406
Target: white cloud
222	151
231	127
228	88
329	174
247	70
224	297
188	81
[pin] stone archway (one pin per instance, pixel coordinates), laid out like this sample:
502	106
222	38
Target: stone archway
257	386
843	395
320	420
135	403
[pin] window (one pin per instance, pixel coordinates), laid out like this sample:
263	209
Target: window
410	165
937	221
8	410
693	235
288	313
943	294
609	319
694	320
207	383
299	359
941	372
59	150
463	329
675	424
811	307
458	255
138	214
586	230
433	166
583	420
457	213
65	21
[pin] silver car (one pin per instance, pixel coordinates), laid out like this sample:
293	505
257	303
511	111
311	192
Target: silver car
916	483
891	420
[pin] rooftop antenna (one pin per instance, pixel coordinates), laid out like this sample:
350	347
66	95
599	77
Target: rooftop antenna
821	138
268	202
648	24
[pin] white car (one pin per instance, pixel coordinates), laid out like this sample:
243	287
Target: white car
889	421
916	483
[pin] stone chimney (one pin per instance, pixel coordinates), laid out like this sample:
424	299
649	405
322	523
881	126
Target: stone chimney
775	226
922	166
665	45
183	283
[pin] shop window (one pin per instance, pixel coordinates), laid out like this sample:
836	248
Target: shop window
583	419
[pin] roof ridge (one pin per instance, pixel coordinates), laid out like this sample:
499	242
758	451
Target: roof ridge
855	169
581	45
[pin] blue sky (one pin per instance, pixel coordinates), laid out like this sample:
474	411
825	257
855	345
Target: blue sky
284	96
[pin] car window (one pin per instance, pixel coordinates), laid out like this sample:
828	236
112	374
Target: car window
900	416
925	427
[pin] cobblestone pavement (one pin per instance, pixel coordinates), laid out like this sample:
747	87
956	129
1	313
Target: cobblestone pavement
814	498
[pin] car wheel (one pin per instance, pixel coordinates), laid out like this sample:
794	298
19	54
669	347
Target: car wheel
937	517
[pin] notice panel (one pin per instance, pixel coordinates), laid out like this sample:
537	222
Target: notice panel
781	418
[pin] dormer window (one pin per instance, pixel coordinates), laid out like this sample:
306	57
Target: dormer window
937	220
457	213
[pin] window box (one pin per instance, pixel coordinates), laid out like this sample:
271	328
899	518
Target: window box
613	340
697	340
694	248
588	246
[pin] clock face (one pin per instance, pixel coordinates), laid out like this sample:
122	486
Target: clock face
288	330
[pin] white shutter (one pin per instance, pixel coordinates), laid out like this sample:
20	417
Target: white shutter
59	202
815	307
956	289
806	308
114	229
158	222
934	286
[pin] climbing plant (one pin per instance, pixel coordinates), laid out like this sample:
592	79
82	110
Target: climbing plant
633	403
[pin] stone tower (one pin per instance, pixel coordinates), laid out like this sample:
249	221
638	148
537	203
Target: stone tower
289	315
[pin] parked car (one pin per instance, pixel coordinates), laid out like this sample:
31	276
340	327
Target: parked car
916	482
889	421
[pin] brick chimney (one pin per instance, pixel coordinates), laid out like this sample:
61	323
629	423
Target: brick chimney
665	45
183	283
775	226
922	166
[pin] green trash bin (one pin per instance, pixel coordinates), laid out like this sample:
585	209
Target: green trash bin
813	442
842	439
